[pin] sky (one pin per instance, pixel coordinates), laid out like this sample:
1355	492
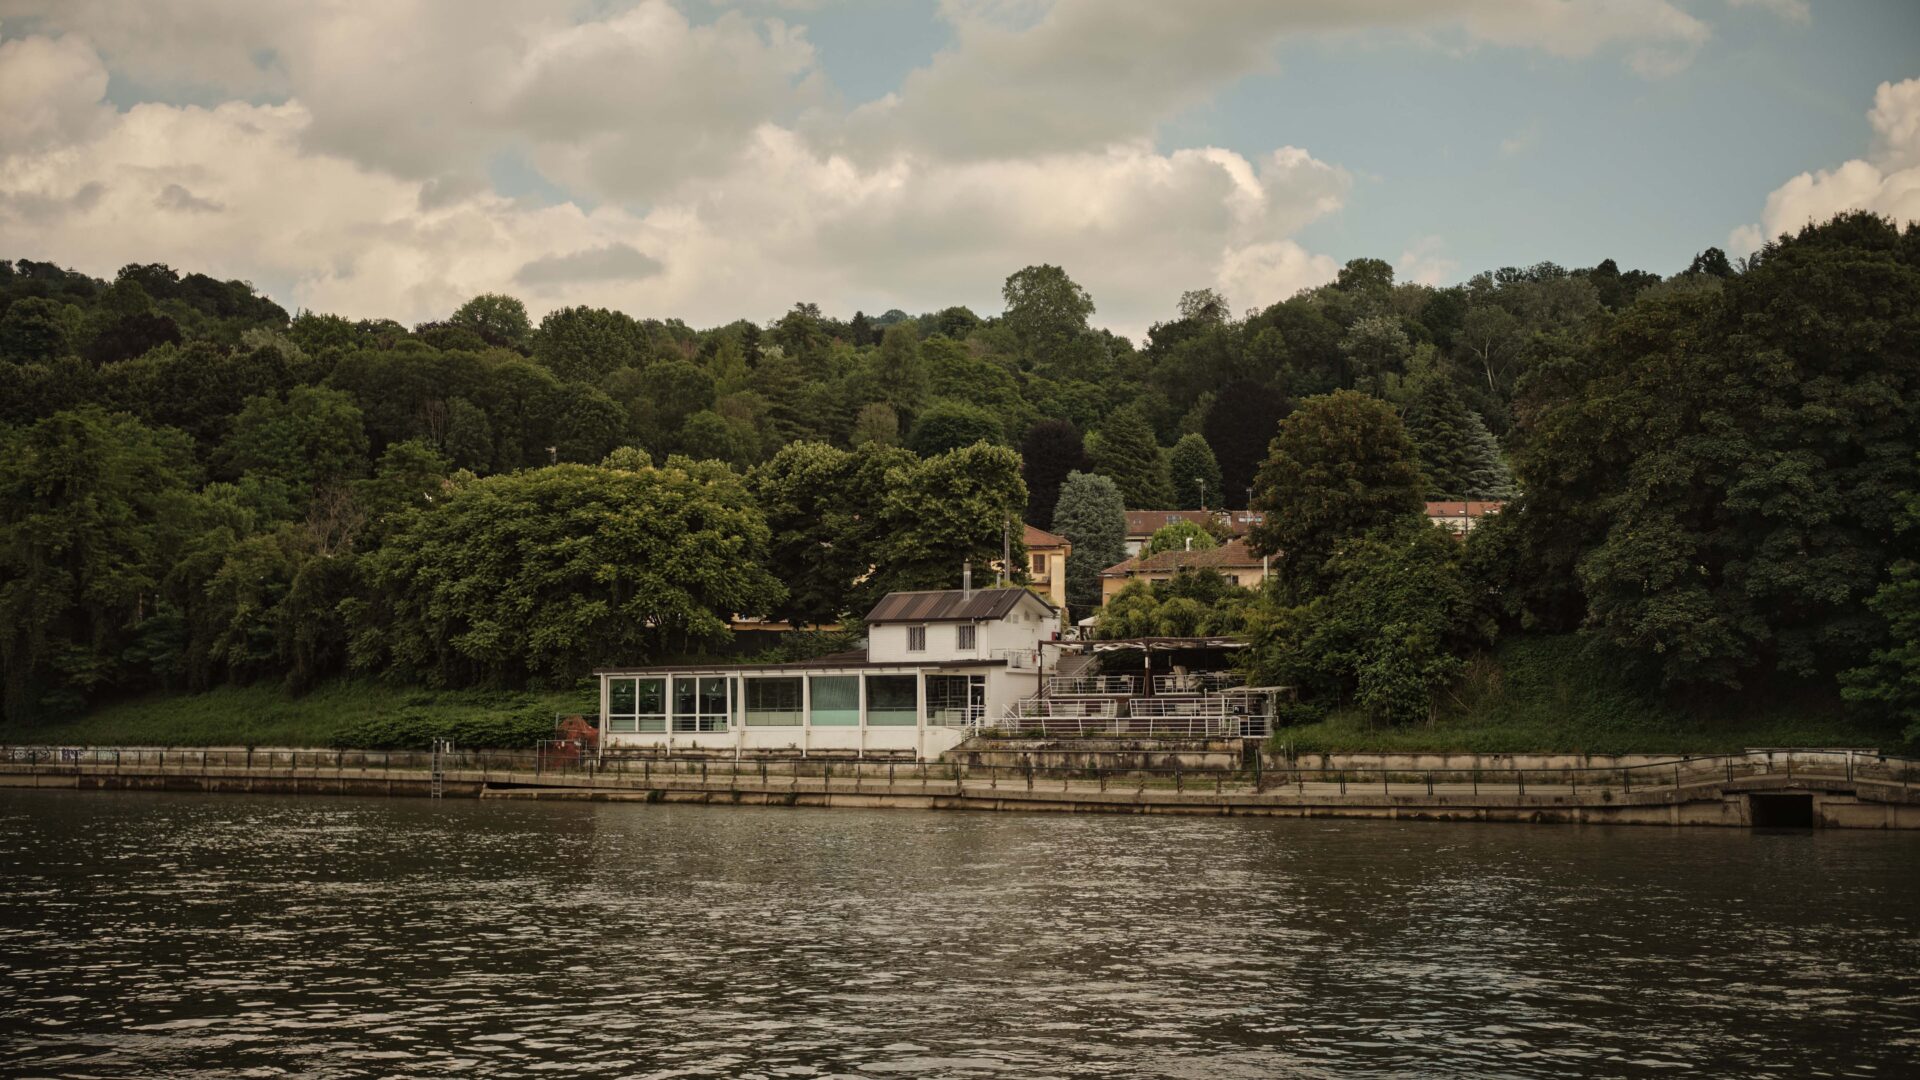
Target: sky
717	160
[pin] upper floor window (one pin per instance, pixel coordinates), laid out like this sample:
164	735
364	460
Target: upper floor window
916	639
963	637
1039	564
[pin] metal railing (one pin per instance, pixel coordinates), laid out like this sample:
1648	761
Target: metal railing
1197	682
1066	685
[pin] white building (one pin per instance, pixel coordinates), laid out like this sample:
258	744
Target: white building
934	662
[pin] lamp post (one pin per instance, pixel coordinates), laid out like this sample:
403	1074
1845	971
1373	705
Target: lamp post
1202	481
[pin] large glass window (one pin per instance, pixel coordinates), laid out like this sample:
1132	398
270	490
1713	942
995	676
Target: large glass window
953	699
892	701
836	700
700	703
636	705
773	702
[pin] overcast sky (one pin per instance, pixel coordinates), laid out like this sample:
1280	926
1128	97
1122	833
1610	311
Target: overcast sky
717	160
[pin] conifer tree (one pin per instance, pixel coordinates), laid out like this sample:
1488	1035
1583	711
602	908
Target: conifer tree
1093	518
1488	476
1195	474
1441	427
1128	454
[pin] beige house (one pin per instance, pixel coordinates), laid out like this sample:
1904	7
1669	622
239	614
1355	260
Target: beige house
1047	565
1233	560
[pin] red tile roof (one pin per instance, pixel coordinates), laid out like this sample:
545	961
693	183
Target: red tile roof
1144	523
1470	508
1041	538
1233	554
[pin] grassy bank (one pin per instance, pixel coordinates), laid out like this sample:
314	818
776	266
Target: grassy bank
357	714
1556	694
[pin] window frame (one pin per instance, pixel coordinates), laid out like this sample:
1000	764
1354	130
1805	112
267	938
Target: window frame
917	638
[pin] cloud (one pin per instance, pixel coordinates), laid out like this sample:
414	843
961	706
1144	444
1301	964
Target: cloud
1886	182
1080	74
175	197
50	92
615	262
1425	262
339	155
785	220
621	105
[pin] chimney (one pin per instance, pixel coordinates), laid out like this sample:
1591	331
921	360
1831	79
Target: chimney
966	579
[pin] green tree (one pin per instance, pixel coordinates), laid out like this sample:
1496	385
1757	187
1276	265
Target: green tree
943	510
1093	517
1724	468
1195	474
33	330
1179	536
876	422
548	572
899	372
1051	450
310	438
1441	428
1127	452
1341	466
825	508
951	425
498	319
93	509
1388	631
586	344
1046	311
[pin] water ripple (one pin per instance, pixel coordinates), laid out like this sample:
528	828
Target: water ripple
261	936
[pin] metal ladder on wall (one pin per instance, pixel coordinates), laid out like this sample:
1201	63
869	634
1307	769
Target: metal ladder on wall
442	749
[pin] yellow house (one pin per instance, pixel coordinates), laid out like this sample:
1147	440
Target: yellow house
1240	567
1047	565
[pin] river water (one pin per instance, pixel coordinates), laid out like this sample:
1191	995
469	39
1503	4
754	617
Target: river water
151	934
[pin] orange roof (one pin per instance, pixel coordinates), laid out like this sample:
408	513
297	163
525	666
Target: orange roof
1041	538
1233	553
1470	508
1144	523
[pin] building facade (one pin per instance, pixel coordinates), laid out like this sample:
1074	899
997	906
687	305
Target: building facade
1047	564
936	663
1461	516
1238	565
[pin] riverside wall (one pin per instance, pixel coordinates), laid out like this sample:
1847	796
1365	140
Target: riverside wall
1700	792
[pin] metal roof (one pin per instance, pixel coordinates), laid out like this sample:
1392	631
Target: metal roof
948	605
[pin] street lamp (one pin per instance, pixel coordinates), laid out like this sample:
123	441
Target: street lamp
1202	481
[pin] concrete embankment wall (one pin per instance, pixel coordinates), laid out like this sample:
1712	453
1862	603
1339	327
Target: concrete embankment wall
1831	797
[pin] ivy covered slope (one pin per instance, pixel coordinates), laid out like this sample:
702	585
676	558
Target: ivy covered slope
1709	478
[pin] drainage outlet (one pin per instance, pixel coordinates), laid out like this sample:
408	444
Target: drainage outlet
1780	811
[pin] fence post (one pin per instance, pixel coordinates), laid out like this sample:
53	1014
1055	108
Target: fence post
1429	781
1259	778
1179	780
1520	779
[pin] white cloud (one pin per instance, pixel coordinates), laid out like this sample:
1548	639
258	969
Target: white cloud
240	190
51	90
1425	262
1886	182
339	154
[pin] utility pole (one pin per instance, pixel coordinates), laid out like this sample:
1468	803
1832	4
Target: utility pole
1202	481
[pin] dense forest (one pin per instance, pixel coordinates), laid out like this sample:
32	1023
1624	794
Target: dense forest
1711	476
